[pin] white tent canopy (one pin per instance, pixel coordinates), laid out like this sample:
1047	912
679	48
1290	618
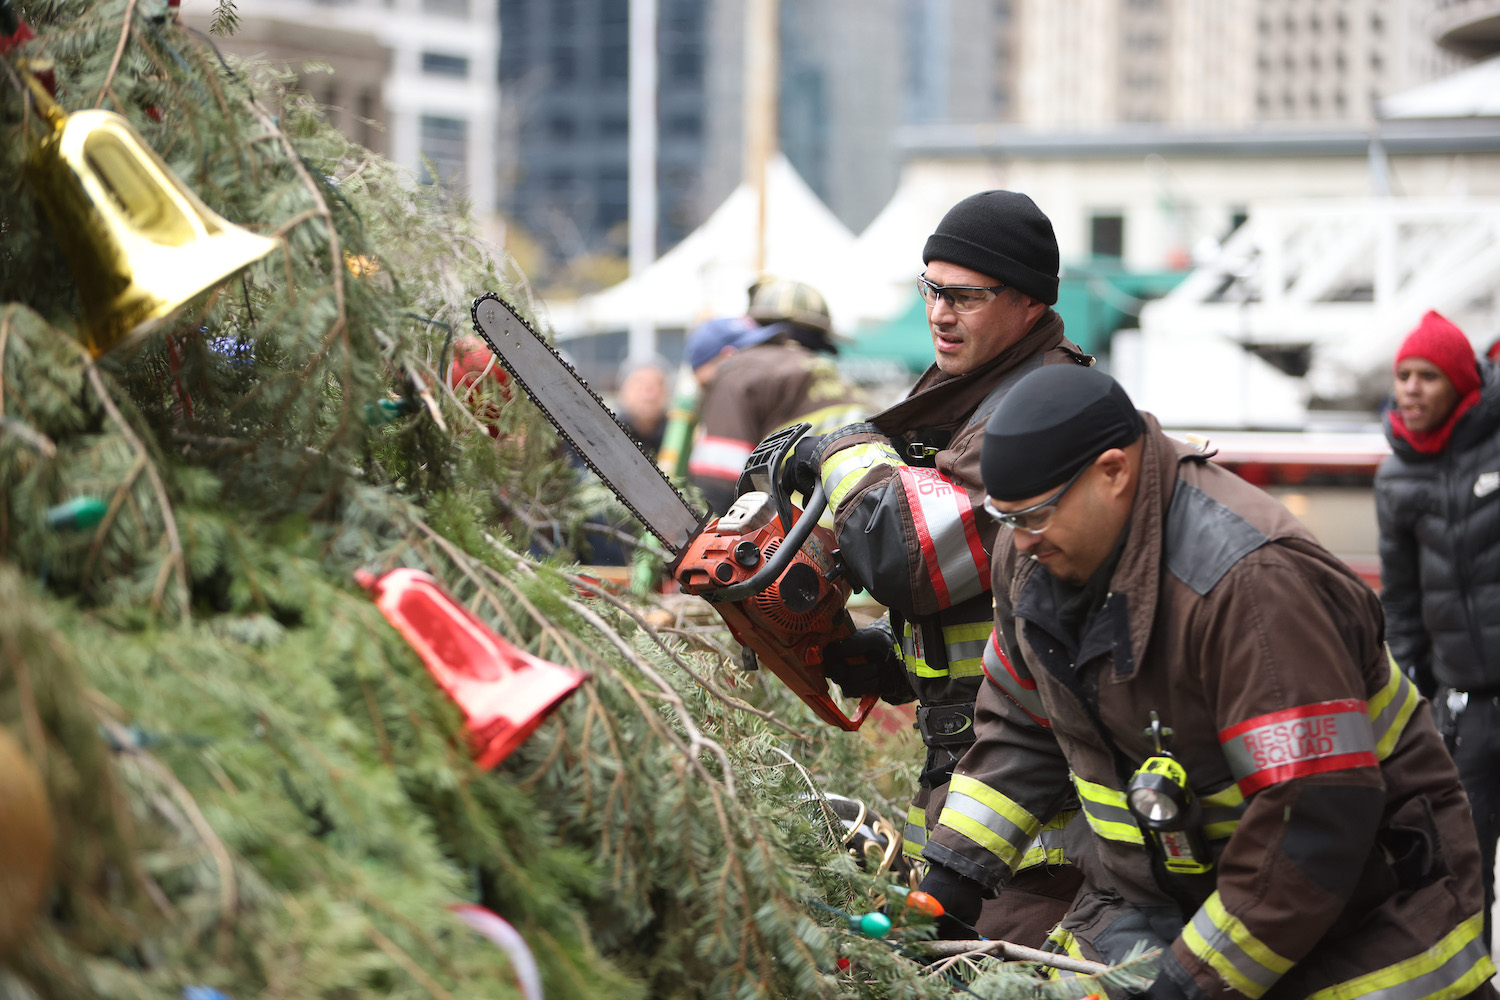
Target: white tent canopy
1468	93
709	272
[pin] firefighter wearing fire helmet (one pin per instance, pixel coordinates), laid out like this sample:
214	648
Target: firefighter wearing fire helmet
1268	800
759	373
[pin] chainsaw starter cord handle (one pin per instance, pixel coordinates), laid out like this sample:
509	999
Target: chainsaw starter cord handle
790	545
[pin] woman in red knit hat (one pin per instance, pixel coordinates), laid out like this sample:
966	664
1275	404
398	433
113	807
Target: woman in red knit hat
1438	502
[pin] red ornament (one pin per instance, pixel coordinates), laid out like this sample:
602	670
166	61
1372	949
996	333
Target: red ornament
505	692
922	902
844	964
478	379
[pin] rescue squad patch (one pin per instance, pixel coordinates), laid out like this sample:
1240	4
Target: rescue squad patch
1297	742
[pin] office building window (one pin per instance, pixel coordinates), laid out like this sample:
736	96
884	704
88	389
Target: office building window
564	64
1107	235
686	65
445	144
612	197
440	64
452	8
683	125
614	62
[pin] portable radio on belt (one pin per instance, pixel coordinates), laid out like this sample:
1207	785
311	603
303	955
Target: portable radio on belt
1160	797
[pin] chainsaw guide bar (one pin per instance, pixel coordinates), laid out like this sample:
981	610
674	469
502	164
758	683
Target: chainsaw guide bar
583	420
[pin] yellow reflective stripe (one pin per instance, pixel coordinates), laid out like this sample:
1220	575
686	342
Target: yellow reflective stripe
1225	944
914	834
964	648
1222	811
906	651
1391	708
999	825
1060	941
1107	813
1007	853
828	418
1047	848
966	644
1454	967
843	471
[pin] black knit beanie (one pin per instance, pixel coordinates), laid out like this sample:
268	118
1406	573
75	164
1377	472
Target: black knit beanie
1002	234
1052	423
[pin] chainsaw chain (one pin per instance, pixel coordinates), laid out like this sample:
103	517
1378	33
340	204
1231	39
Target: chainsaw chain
562	431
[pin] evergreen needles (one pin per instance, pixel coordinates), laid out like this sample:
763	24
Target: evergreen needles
255	783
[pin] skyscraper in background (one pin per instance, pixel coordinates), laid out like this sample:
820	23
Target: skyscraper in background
522	104
412	79
846	68
1089	63
564	69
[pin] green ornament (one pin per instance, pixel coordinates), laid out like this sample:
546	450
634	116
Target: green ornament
386	410
79	513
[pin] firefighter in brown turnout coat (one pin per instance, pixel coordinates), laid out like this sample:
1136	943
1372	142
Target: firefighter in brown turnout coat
905	489
759	373
1267	798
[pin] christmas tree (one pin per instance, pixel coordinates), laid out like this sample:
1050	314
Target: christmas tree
226	771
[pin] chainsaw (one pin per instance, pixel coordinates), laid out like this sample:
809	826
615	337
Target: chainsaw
769	570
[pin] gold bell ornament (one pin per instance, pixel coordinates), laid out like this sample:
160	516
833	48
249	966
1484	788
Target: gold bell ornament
139	242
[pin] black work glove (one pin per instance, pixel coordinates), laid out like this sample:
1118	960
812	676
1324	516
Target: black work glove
962	898
802	470
1172	981
865	662
799	474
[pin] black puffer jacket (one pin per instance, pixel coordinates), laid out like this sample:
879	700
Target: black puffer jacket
1440	550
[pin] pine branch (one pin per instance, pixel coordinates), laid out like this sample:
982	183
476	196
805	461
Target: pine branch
114	63
225	19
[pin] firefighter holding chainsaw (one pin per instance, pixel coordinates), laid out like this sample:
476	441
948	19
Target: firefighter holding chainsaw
905	489
1268	801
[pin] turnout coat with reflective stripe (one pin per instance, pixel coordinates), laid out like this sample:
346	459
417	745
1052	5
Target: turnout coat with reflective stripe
757	391
1345	863
906	493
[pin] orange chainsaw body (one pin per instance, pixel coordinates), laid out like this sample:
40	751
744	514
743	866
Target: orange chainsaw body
789	623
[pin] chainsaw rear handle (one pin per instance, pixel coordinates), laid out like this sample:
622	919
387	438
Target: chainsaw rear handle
777	564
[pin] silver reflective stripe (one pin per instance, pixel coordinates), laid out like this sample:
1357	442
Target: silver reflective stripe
997	666
1391	708
914	834
1454	967
943	517
1297	742
1107	813
965	805
1246	964
965	655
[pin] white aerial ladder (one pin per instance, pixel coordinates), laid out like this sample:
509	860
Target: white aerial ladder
1300	312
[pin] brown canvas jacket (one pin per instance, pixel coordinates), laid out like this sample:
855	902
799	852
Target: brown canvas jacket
1340	838
757	391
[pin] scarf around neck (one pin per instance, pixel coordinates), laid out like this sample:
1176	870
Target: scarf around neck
1434	441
